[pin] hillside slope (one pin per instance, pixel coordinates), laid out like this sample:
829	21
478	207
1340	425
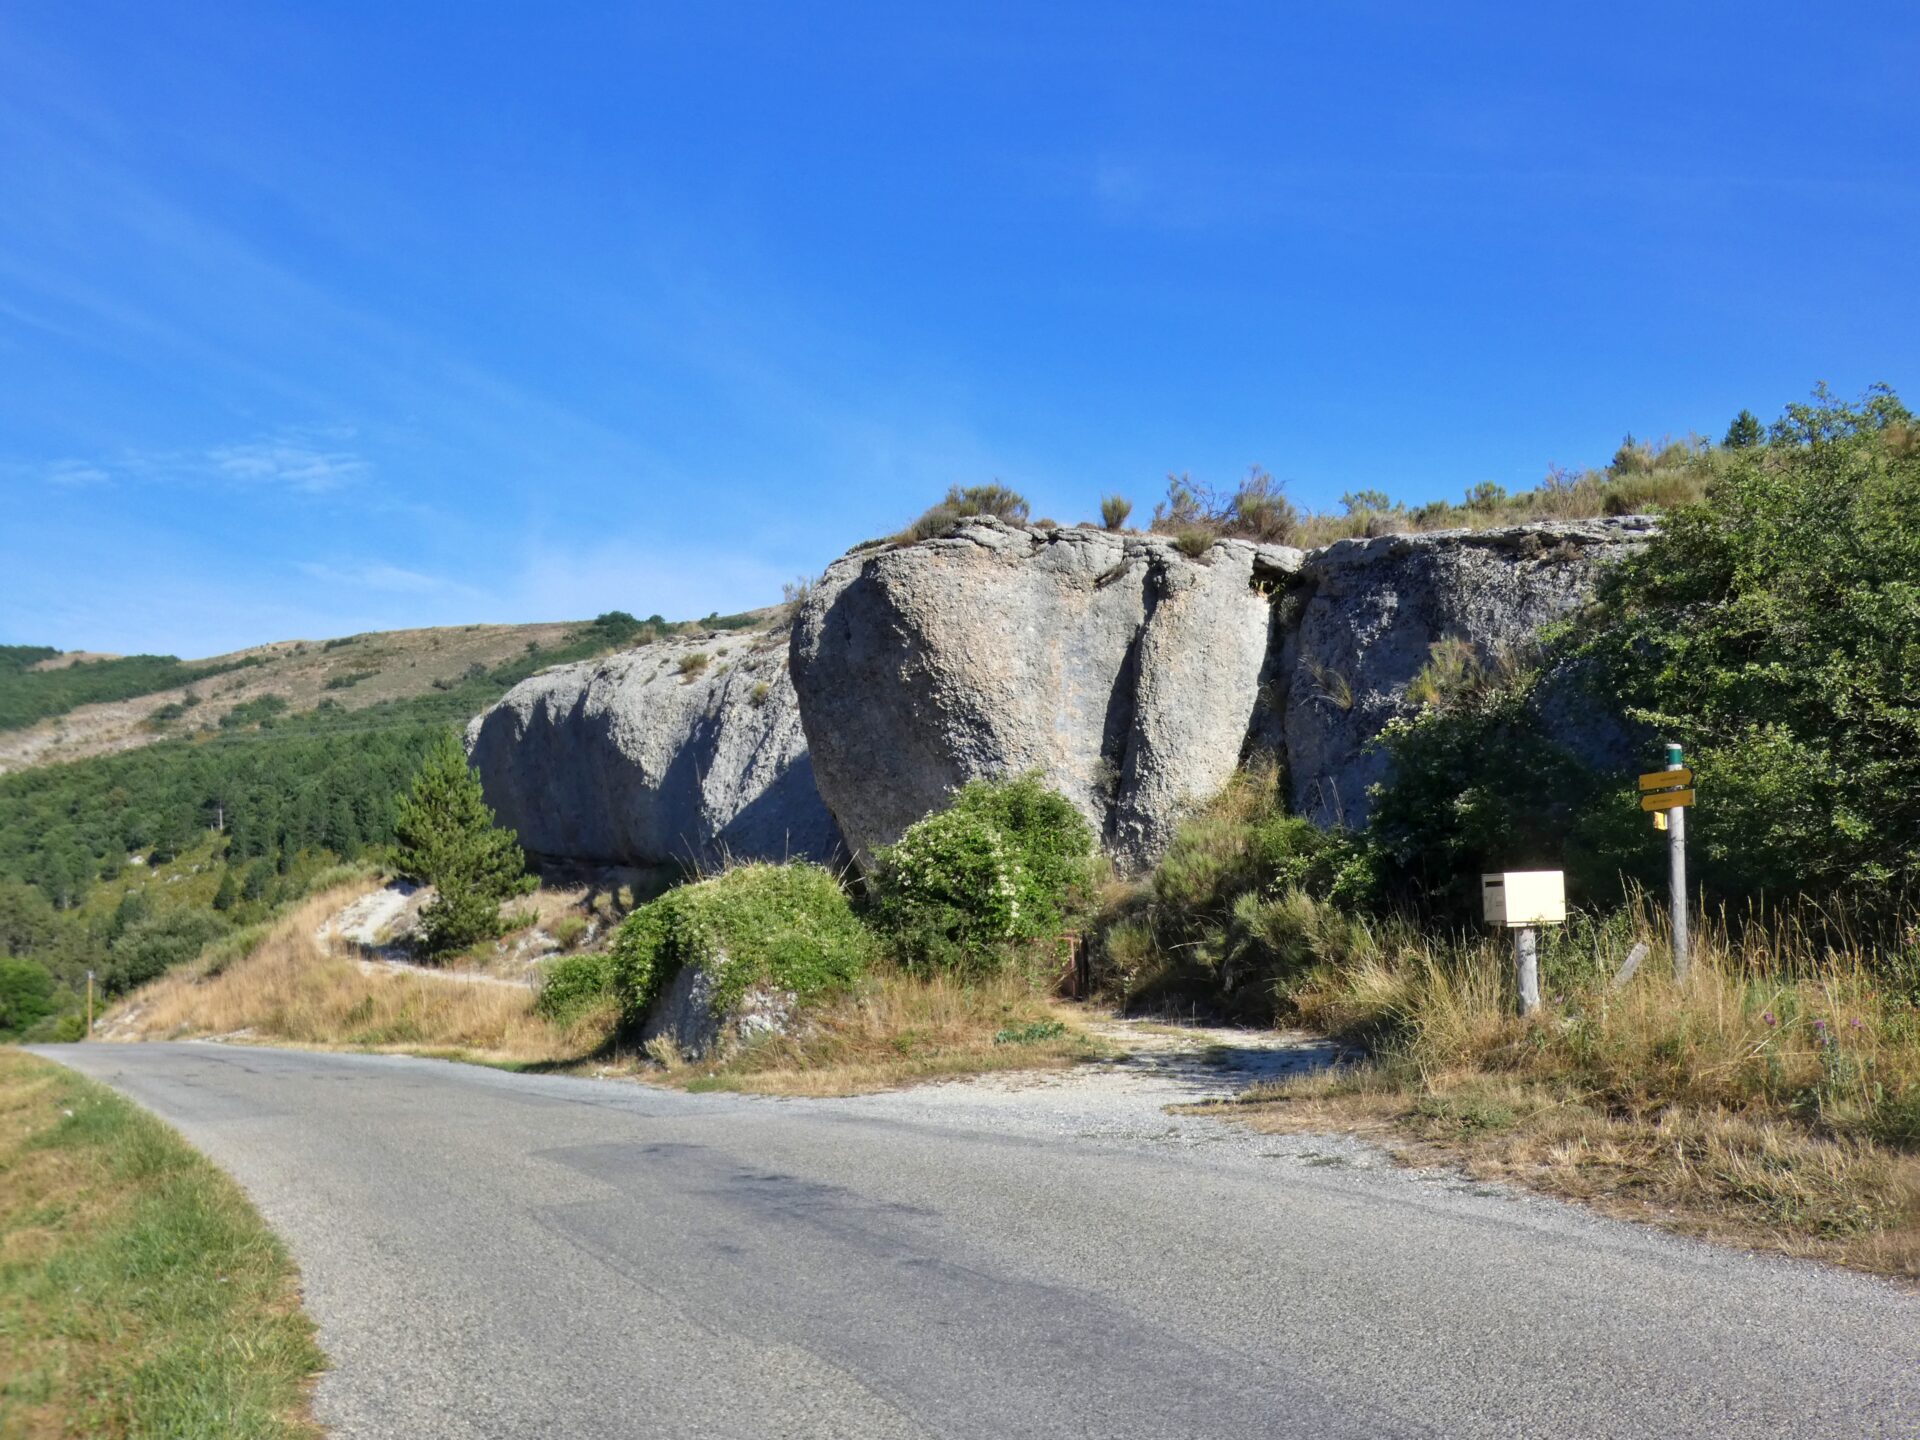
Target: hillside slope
354	672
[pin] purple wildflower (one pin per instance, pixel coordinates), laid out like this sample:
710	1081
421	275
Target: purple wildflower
1768	1017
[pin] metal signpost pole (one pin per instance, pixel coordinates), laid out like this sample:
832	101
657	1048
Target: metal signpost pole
1677	873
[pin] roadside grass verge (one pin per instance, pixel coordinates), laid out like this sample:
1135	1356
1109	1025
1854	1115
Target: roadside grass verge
293	987
896	1028
140	1295
1771	1101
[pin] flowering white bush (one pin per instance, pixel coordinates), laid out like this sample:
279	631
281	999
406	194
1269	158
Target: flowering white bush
998	869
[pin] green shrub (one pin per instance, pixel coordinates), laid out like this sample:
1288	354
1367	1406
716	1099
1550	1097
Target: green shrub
1246	900
692	665
221	953
573	985
788	926
1895	1121
1005	866
1034	1032
1114	510
261	710
149	948
60	1029
26	994
568	929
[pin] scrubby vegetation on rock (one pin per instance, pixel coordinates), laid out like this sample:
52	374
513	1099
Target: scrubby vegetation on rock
785	926
961	501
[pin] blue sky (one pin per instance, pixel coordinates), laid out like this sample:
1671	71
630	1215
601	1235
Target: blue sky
321	318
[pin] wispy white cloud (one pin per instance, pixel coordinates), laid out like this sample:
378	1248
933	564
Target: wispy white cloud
379	575
74	473
296	467
298	461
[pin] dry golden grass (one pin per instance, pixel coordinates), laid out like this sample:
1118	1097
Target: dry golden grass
898	1029
1772	1100
893	1029
293	987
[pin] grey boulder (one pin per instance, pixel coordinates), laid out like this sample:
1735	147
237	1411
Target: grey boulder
1123	670
635	760
685	1020
1365	616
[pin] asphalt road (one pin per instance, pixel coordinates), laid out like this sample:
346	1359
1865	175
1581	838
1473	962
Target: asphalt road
517	1256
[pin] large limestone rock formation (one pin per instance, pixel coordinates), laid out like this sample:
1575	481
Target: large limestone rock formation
1366	616
628	760
1132	676
1121	669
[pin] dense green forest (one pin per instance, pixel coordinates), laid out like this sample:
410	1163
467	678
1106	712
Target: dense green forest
124	864
27	695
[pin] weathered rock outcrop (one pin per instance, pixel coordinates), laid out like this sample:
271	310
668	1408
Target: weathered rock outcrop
684	1015
1133	676
628	760
1123	670
1367	614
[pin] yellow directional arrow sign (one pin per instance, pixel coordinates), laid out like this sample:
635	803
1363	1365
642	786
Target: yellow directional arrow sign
1666	800
1666	779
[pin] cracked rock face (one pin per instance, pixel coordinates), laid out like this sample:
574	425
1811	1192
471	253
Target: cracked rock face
1122	670
1368	613
1134	678
629	761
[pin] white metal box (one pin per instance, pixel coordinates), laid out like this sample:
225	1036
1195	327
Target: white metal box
1524	897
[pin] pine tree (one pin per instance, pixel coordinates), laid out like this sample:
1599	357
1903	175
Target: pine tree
259	877
1744	432
446	838
228	895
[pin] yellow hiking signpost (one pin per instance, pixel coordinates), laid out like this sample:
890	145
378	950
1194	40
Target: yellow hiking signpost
1667	800
1669	793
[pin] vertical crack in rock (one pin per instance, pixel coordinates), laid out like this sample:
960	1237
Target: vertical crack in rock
1116	736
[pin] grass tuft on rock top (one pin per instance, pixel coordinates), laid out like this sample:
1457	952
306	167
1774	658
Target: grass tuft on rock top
789	926
140	1295
961	502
